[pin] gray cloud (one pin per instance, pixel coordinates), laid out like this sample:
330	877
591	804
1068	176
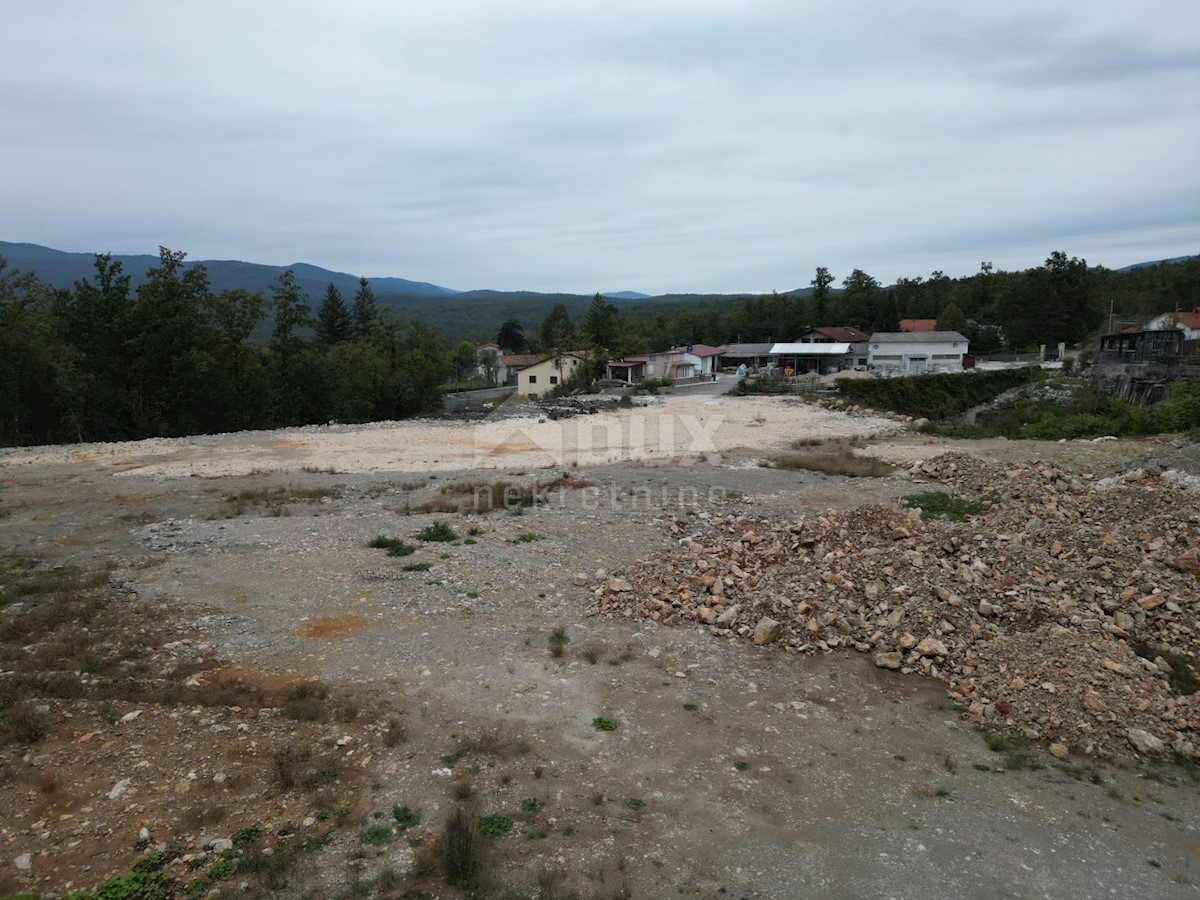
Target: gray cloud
687	146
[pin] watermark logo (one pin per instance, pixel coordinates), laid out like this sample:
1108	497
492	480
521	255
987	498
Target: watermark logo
588	440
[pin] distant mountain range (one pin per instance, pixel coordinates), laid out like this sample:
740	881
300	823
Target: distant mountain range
1174	260
473	315
62	269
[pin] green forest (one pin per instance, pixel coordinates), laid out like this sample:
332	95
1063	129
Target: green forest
104	361
100	363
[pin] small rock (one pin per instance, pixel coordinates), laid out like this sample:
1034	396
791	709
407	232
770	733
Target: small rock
1059	751
1144	741
932	647
888	660
119	789
767	630
24	862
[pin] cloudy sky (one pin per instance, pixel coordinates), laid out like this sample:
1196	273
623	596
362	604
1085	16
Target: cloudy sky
661	145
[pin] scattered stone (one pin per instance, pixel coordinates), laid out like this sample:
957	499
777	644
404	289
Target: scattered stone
119	789
1144	741
767	630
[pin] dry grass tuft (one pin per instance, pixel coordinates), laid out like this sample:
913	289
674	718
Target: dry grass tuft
831	458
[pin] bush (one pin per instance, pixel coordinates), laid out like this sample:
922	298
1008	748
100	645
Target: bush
940	505
438	532
495	825
938	396
377	836
460	846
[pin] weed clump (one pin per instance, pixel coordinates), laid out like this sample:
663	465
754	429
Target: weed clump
940	505
495	825
831	458
438	532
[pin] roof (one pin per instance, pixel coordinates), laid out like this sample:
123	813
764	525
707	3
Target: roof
702	350
746	349
810	349
921	325
1186	319
846	334
924	337
522	360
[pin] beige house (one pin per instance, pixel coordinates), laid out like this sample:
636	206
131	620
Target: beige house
542	377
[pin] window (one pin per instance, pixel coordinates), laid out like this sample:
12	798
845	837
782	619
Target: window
554	379
533	379
945	356
879	358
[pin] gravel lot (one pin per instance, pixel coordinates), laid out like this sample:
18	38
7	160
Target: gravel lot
733	770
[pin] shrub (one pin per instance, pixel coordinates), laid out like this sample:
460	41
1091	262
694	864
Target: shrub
940	505
600	723
406	818
438	532
496	825
938	396
460	847
377	835
305	702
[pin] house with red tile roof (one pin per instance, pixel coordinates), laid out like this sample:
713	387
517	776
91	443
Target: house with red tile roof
1187	322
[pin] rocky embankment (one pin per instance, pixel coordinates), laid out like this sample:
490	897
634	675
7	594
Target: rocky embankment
1065	611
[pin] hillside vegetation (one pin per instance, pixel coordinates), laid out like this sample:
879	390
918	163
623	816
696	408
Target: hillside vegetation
939	396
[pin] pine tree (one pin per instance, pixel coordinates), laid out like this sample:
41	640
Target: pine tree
334	323
366	311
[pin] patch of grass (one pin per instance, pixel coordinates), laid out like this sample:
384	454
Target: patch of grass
1182	678
273	500
832	458
536	834
940	505
557	641
472	595
418	567
450	760
20	724
591	654
377	835
532	805
383	542
470	542
406	818
691	707
438	532
305	702
741	765
601	723
247	836
527	537
495	825
635	803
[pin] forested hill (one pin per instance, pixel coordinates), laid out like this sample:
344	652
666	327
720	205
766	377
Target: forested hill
60	269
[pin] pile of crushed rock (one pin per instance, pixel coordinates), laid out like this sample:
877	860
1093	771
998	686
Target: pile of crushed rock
1064	612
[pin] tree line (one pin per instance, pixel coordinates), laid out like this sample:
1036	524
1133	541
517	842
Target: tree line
99	362
1062	300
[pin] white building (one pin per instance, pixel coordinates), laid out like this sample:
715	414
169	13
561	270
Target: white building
909	353
1187	322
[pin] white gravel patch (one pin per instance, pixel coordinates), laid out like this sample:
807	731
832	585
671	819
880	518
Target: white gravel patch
678	426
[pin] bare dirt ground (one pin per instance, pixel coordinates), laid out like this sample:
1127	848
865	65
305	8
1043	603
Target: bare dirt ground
729	769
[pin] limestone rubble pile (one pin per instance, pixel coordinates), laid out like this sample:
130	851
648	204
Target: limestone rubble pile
1053	613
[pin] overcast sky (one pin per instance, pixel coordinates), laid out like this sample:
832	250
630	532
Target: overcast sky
661	145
